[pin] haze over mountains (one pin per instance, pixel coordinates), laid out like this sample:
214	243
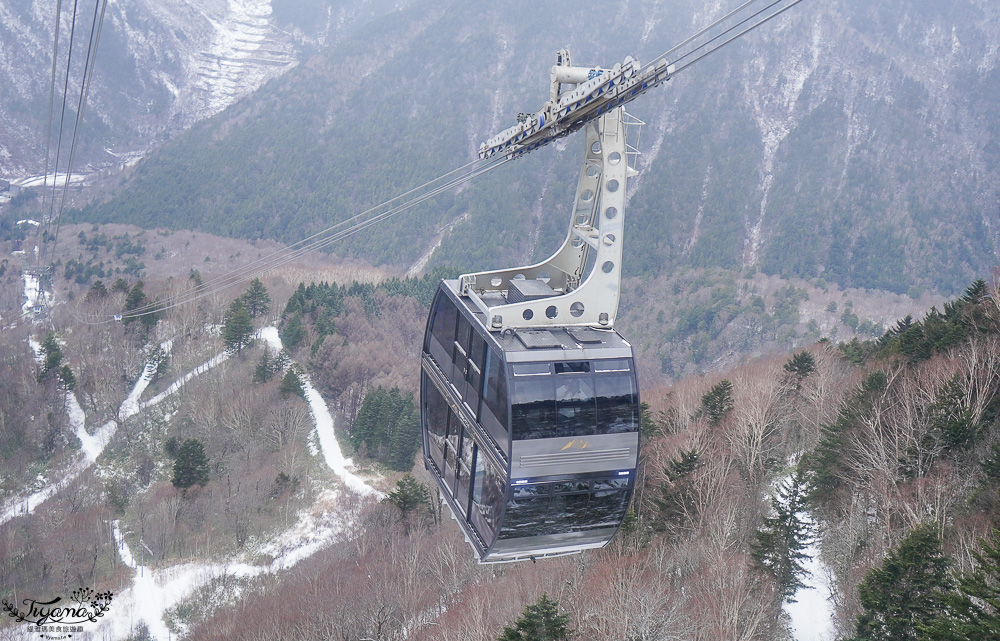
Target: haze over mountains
844	145
847	140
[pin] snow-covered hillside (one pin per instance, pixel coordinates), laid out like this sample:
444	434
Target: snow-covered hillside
162	65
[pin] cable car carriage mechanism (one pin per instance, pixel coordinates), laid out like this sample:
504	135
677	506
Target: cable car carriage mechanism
529	397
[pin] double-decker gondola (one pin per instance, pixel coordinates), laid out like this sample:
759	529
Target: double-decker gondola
529	397
532	434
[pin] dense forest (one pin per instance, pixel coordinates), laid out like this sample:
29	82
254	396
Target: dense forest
820	380
849	142
880	454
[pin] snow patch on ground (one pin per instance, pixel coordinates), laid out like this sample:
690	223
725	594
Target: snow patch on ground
50	180
92	445
241	57
153	592
315	529
774	110
31	287
180	382
330	448
812	612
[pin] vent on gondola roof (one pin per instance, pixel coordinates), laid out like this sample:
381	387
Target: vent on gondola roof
521	290
538	339
586	335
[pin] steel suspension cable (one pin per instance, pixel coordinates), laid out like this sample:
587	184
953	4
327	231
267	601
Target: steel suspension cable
318	241
725	33
62	119
90	63
475	168
287	254
48	127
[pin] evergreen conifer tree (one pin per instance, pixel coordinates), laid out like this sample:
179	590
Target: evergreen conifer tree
293	332
256	299
780	542
541	621
291	383
717	402
971	612
800	367
408	495
388	428
191	464
52	355
904	595
237	328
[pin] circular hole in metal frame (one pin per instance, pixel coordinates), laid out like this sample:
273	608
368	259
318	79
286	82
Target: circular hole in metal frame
611	212
587	195
527	314
551	311
496	281
609	240
614	158
612	185
596	147
608	267
576	309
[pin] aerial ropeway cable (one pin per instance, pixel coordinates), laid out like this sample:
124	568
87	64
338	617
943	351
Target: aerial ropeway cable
319	240
54	215
568	110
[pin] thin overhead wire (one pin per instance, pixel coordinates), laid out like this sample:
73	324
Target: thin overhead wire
48	126
706	48
317	241
450	180
62	120
88	74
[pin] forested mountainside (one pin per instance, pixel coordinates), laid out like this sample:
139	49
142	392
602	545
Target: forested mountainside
161	66
848	140
191	464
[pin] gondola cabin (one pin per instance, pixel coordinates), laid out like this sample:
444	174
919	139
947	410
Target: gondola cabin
529	399
531	434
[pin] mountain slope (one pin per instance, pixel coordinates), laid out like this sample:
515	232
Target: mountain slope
846	140
161	66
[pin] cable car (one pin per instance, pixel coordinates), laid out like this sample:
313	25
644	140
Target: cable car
529	397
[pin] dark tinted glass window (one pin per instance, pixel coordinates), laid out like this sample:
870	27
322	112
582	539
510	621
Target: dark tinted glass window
569	513
616	403
564	507
437	421
531	369
612	365
474	386
607	508
465	470
575	404
488	486
477	351
619	483
582	398
527	512
533	410
443	329
495	394
572	367
451	450
464	332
